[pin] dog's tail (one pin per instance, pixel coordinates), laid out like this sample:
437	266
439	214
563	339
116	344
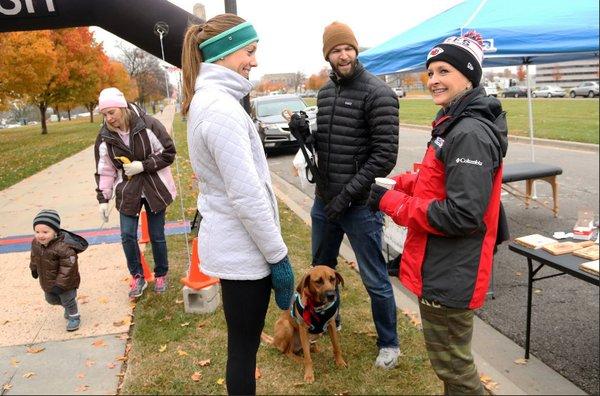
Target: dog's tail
267	339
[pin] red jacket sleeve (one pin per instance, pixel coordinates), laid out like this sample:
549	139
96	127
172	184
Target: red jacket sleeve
408	211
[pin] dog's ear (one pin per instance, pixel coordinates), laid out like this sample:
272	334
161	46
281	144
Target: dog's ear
339	278
303	284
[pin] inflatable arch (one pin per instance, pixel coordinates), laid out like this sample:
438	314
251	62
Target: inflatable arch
138	21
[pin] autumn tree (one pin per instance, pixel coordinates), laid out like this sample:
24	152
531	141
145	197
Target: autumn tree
29	64
298	80
424	77
149	75
316	81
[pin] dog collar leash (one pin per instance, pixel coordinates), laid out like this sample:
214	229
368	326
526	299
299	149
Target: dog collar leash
316	318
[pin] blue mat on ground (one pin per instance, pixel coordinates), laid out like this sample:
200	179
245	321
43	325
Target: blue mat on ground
22	243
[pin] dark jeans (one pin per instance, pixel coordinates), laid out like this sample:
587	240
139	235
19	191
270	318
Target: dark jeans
156	228
67	299
364	230
245	305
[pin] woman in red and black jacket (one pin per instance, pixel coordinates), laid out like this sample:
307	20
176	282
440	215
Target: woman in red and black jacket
451	208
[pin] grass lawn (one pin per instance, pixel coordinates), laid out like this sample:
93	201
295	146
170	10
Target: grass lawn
560	119
25	151
169	346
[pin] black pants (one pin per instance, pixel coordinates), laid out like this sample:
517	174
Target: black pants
245	304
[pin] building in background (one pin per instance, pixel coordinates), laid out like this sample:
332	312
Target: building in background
567	74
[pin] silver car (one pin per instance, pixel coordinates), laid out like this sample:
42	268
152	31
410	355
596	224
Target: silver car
549	91
586	88
272	127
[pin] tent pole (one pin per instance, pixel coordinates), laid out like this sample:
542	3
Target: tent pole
530	110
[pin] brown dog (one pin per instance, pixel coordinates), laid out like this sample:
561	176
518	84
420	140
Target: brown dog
312	313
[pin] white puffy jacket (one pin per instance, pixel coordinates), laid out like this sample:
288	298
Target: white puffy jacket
239	234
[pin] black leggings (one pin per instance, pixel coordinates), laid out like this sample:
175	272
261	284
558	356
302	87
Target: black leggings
245	305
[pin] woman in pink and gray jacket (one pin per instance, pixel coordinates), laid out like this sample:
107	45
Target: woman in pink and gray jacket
144	179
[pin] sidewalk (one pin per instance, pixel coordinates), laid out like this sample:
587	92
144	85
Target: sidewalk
494	353
37	355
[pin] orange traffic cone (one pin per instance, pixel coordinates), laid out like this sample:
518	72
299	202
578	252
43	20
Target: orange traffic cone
144	224
196	279
148	274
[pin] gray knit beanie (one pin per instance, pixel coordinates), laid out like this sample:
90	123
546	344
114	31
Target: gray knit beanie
48	217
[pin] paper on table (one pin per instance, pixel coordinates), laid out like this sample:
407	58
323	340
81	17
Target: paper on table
534	241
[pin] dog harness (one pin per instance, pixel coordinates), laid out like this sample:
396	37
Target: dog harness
316	318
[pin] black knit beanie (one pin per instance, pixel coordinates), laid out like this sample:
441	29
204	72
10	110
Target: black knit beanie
48	217
465	53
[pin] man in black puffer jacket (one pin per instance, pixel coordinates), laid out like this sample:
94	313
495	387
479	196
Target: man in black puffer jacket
356	141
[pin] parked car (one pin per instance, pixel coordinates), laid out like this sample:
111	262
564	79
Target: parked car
399	91
491	90
549	91
586	88
515	91
272	127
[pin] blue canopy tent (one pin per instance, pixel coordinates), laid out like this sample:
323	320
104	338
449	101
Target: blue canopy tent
515	32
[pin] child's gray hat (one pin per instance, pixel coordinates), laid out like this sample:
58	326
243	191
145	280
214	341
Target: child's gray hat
48	217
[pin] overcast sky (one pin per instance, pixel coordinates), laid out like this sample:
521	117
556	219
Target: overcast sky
291	32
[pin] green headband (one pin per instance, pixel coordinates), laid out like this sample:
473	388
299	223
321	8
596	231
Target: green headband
227	42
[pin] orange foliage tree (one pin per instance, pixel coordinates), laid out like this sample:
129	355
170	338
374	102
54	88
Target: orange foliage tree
316	81
58	67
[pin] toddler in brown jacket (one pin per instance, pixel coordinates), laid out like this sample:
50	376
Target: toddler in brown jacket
54	261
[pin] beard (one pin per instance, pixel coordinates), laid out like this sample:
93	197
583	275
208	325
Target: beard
344	74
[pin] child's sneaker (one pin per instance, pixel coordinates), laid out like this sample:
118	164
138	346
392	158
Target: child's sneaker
137	286
73	323
160	284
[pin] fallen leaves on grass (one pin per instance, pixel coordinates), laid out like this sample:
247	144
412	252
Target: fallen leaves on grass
162	348
28	374
197	376
521	361
257	374
200	325
121	358
220	381
32	350
181	353
178	301
185	324
203	363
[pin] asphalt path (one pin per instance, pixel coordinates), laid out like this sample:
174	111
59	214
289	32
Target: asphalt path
564	331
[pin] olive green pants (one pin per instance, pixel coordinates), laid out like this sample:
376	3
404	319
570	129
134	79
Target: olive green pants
448	333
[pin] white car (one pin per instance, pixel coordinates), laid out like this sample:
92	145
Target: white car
491	90
549	91
399	91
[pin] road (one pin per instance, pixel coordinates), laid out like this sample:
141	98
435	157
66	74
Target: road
565	331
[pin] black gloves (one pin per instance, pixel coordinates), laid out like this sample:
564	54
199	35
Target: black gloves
34	274
375	196
300	128
56	290
337	206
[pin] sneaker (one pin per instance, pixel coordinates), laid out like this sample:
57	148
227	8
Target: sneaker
137	286
160	284
73	323
387	358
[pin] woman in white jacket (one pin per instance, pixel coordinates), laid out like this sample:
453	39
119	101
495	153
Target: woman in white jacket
239	238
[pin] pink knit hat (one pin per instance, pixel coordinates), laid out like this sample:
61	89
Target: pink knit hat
111	97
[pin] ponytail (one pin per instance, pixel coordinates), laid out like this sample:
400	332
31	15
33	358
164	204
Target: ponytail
191	56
